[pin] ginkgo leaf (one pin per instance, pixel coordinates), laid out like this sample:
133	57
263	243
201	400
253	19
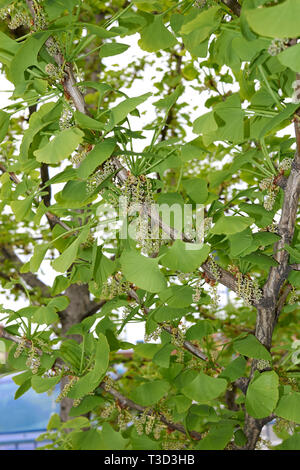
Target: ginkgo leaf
64	261
60	147
185	257
156	36
231	224
112	49
262	394
142	271
279	21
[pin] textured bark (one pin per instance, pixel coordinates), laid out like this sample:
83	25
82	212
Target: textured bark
269	307
233	5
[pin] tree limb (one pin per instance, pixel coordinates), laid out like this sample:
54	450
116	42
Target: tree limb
295	267
233	5
30	278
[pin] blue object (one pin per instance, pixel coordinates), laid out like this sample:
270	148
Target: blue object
24	419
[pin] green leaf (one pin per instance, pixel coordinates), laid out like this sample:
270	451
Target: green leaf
45	316
265	238
262	394
120	112
98	30
289	407
41	385
295	254
92	379
240	242
64	261
204	23
163	356
59	303
292	443
294	278
275	121
200	330
19	379
114	48
239	438
142	271
193	149
46	114
170	100
147	350
231	224
60	147
89	403
185	257
177	296
23	389
54	422
103	267
38	256
86	440
218	436
205	124
261	260
204	388
106	439
232	115
76	423
164	313
100	153
280	21
74	191
87	122
21	208
27	55
149	393
4	123
156	36
66	175
196	188
251	347
235	369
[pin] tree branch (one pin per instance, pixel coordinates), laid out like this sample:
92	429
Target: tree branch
295	267
30	278
233	5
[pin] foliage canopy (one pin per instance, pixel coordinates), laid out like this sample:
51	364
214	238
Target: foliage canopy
210	373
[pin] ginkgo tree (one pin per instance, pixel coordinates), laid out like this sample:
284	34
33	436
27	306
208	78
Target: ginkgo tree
147	232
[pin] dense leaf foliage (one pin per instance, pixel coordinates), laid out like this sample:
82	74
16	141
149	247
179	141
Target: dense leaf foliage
124	205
